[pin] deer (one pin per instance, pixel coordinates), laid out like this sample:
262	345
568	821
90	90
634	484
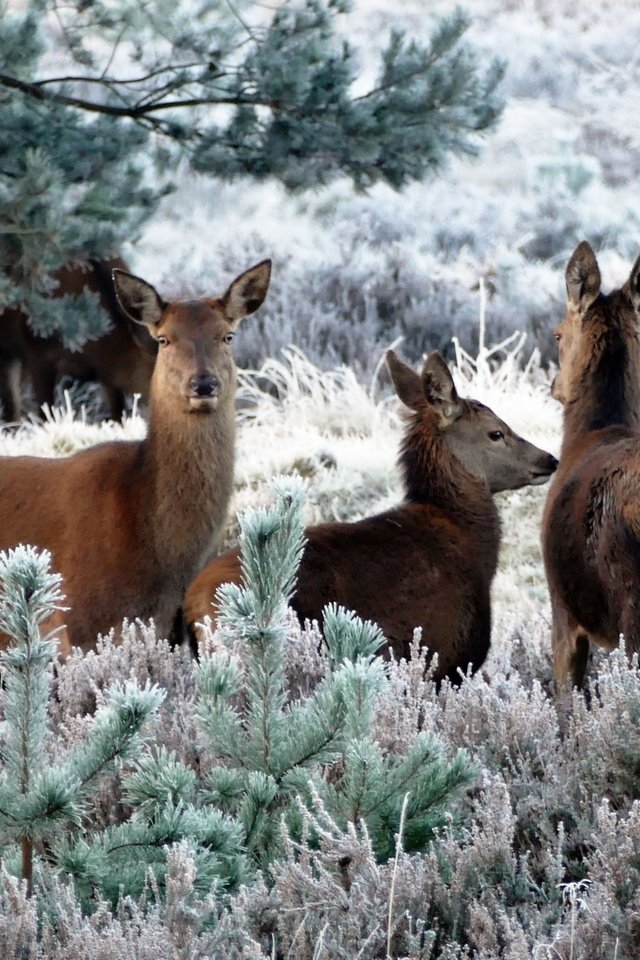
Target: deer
130	523
121	361
591	520
428	562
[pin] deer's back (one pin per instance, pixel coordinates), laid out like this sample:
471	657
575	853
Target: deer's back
410	567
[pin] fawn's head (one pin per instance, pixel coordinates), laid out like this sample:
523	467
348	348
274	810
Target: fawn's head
195	359
450	427
598	332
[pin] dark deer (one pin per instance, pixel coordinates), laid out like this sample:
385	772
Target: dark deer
591	523
122	360
430	561
129	523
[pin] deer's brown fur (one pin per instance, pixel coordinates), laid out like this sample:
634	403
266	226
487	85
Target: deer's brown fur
129	523
121	361
591	524
428	562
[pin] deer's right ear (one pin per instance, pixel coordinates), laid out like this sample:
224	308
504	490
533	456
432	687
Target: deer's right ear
406	381
634	286
583	277
247	292
137	298
439	388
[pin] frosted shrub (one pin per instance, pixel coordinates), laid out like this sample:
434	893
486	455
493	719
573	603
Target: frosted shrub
605	731
553	804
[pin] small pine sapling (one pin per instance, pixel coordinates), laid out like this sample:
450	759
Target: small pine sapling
39	800
270	747
274	751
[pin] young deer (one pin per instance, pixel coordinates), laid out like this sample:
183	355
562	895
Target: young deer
130	523
591	523
122	360
430	561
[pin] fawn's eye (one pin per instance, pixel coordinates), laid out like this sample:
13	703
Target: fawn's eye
228	337
163	341
496	435
556	337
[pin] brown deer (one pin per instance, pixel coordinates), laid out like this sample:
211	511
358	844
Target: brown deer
591	523
430	561
122	360
129	523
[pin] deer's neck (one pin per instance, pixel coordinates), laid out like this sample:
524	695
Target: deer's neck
188	468
606	392
432	475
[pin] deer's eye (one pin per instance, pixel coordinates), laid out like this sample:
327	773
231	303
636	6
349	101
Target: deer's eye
496	435
556	337
228	337
163	341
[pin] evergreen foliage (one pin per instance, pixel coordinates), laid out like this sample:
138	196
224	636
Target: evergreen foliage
271	755
99	101
274	751
39	799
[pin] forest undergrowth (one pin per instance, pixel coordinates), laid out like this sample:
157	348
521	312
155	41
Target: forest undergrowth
474	821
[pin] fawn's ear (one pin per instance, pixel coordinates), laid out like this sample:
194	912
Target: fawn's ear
247	292
583	277
406	381
137	298
439	388
634	286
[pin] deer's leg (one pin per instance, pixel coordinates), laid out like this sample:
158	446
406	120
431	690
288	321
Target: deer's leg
10	383
570	645
43	379
115	402
630	625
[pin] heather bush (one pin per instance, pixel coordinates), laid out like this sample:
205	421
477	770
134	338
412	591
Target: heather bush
264	751
539	860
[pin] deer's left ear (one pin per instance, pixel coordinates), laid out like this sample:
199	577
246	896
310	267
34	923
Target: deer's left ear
406	381
247	292
137	299
582	277
439	388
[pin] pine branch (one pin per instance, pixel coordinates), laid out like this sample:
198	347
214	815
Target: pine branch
132	111
125	81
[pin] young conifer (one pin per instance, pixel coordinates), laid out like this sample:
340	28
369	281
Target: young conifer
41	799
274	751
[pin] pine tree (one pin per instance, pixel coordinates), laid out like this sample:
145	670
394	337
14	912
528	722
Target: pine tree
39	799
98	100
274	751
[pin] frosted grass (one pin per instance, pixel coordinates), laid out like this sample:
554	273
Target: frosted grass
343	437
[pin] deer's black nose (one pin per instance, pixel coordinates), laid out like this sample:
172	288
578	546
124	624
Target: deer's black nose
207	386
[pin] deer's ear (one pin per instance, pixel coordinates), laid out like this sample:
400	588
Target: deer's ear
439	388
634	286
406	381
583	277
247	292
137	298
